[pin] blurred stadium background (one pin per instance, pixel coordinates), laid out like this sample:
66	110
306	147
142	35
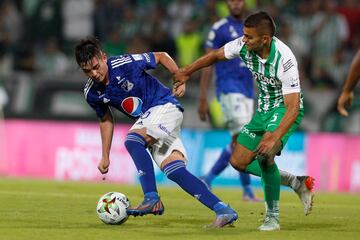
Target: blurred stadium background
49	132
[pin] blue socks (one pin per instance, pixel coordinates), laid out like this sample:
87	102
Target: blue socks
177	172
136	146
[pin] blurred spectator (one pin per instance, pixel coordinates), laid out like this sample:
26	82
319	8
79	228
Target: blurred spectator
44	20
188	44
51	61
114	44
107	16
297	45
130	24
11	24
303	25
180	11
330	35
138	44
78	19
350	9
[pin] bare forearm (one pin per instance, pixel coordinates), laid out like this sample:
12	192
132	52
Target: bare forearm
292	105
354	74
106	130
164	59
205	61
285	123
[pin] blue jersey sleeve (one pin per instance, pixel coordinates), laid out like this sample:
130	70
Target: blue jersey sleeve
99	108
145	60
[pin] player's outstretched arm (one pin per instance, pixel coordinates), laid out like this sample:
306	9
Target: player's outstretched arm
347	94
106	130
183	74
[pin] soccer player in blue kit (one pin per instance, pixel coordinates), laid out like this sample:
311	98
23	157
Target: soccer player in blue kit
122	83
234	90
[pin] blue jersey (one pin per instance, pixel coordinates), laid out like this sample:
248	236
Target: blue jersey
131	89
231	76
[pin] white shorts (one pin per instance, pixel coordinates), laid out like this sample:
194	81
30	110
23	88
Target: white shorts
237	109
163	123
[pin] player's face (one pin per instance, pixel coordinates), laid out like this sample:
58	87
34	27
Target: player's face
253	40
236	7
97	68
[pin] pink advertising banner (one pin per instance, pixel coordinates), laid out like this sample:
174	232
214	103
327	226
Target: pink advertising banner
334	161
62	151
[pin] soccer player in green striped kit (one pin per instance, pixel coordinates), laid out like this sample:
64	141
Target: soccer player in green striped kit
280	104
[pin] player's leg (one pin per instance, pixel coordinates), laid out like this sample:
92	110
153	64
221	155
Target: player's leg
248	194
221	163
146	132
174	166
136	143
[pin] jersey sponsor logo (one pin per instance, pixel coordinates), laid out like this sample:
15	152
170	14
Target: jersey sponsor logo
164	129
248	133
132	106
260	77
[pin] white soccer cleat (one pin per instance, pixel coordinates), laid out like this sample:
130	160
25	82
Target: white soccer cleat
305	193
270	224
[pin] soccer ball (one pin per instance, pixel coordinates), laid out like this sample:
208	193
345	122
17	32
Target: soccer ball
111	208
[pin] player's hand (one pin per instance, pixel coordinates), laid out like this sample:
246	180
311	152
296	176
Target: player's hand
203	109
104	165
179	78
179	91
266	146
345	99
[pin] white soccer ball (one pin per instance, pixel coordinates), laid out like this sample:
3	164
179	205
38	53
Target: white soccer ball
111	208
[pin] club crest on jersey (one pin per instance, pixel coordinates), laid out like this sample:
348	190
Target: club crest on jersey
132	106
127	86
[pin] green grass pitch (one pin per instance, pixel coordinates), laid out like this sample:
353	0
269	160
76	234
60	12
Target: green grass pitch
32	209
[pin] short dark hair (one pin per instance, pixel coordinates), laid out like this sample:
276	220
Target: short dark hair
86	49
261	20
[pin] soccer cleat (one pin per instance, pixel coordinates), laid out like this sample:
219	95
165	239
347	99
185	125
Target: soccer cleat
225	217
148	206
305	192
270	224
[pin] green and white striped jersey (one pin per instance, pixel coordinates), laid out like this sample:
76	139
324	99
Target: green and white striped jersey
276	76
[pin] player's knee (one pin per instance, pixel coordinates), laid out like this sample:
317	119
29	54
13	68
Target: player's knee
238	165
133	140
